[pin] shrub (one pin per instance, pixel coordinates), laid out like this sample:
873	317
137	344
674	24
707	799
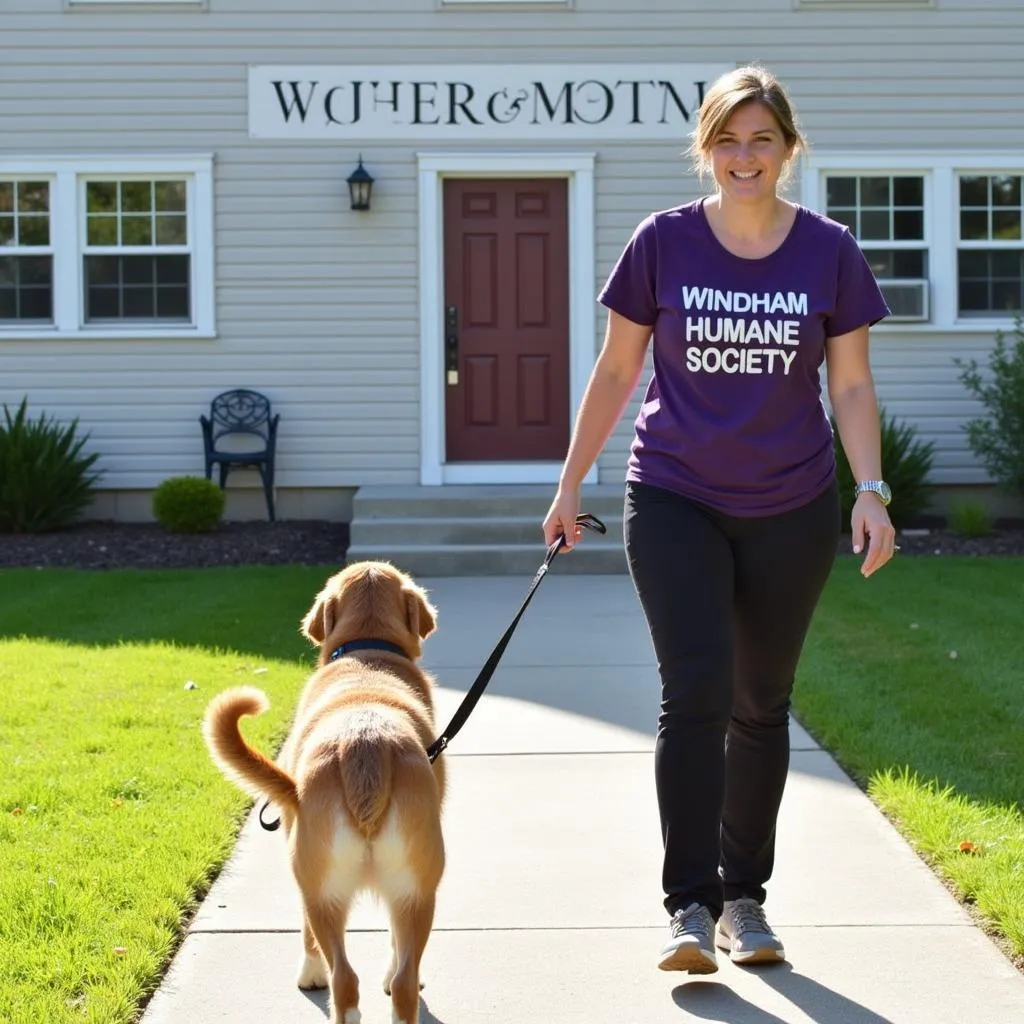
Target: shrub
969	519
45	480
998	439
188	504
906	463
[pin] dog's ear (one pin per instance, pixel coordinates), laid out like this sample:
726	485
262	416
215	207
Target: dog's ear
420	614
319	620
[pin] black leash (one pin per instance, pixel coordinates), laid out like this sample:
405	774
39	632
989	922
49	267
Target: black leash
476	691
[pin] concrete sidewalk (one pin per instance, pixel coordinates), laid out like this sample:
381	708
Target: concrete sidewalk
550	910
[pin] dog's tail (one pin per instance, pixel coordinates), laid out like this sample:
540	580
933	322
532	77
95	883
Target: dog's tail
247	767
367	773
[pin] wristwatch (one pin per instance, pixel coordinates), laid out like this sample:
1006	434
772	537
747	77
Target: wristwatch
879	487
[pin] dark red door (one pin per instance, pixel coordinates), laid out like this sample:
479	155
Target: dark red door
506	280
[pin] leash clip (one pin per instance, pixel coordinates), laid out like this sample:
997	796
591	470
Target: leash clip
271	826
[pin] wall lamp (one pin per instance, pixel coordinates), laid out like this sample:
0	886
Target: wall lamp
360	185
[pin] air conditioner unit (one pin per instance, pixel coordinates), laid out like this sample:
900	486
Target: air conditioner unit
907	298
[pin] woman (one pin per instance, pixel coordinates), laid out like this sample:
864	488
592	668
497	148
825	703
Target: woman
732	509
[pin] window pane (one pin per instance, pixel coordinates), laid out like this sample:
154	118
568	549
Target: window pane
36	270
840	191
8	304
170	196
101	197
1006	296
973	190
847	217
100	230
6	230
1007	263
136	231
33	230
7	271
874	224
973	263
172	269
1006	224
910	263
139	304
138	270
1006	190
874	192
881	262
6	196
973	297
136	196
973	224
172	303
908	191
101	304
102	270
26	288
171	231
908	225
37	304
33	197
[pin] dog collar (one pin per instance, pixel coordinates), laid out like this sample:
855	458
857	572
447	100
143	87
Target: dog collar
365	645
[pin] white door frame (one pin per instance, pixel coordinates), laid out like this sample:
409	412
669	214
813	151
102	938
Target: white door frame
578	169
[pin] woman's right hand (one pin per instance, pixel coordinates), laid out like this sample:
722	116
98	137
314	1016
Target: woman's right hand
561	518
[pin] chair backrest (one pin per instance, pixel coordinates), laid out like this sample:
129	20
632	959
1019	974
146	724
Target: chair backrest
240	412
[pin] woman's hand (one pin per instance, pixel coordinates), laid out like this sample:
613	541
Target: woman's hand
871	521
561	518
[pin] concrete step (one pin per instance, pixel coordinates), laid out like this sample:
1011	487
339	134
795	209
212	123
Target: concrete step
592	556
480	529
465	501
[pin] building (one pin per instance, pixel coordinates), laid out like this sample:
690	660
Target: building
175	218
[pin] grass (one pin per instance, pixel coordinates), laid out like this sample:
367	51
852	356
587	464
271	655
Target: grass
913	681
113	821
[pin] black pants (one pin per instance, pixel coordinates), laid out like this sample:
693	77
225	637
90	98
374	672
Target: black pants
728	601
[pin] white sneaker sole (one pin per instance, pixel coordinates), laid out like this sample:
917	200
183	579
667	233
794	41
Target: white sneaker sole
688	958
765	955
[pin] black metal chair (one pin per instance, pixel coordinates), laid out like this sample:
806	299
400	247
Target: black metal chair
241	414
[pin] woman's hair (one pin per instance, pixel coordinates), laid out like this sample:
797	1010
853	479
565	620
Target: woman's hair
729	92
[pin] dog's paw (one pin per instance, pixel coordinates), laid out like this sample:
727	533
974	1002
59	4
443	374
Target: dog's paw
313	973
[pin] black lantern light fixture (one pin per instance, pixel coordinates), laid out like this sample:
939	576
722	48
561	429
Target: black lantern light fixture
360	184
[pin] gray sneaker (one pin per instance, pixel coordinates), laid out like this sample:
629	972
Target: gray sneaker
744	931
691	945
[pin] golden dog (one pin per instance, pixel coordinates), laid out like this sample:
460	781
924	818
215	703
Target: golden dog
359	800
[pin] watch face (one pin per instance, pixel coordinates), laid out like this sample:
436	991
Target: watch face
885	493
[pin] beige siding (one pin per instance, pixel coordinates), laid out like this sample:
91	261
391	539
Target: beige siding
320	307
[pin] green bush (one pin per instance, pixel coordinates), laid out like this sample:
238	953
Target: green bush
906	463
45	480
188	504
969	519
998	439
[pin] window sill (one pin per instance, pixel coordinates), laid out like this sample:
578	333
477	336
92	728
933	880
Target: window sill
107	334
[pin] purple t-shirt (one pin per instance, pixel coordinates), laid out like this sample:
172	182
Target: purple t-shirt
733	416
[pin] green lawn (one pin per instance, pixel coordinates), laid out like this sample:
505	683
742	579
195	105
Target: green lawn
914	680
113	820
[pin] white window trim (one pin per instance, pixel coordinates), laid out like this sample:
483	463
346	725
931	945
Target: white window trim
578	169
942	208
67	218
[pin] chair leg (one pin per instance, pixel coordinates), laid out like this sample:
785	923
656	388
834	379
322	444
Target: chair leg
223	475
267	473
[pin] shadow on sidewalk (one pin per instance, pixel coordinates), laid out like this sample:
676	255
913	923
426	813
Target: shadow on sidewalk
716	1001
320	999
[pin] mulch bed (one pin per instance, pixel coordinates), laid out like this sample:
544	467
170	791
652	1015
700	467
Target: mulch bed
107	545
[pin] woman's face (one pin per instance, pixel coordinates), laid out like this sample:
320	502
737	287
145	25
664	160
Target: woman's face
749	154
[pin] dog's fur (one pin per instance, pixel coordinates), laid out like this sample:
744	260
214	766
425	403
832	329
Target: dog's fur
359	800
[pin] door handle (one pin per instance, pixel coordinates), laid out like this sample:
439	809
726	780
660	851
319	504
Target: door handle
451	345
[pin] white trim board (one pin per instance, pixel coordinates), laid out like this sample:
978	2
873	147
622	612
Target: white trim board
578	169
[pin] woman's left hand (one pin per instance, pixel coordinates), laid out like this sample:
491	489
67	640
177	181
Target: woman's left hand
870	522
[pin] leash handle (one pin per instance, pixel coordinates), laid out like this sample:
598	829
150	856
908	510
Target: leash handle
588	522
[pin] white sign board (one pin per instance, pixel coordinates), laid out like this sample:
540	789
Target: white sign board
478	101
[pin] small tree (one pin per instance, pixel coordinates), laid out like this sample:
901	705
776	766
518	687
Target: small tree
998	439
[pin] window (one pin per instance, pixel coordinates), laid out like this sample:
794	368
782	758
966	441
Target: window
990	251
106	247
26	258
943	233
885	213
